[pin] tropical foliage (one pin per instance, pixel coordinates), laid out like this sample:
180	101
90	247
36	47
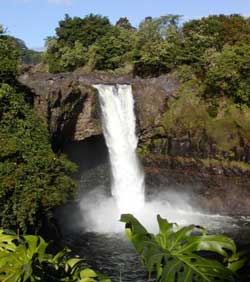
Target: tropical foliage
175	253
74	36
24	259
33	180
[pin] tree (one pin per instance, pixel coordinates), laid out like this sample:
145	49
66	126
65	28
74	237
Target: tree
67	51
9	57
221	30
53	55
228	73
124	23
85	30
155	29
212	32
158	46
112	50
64	58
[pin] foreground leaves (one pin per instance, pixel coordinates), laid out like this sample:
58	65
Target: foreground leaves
25	259
174	253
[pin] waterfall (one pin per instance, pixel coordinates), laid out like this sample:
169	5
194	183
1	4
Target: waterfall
119	127
101	213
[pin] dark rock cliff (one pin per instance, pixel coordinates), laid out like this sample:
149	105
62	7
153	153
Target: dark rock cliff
69	104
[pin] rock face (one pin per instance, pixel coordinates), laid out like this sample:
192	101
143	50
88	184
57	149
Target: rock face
151	96
216	194
69	104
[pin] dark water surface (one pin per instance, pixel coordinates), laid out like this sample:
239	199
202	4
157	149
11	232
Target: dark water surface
112	255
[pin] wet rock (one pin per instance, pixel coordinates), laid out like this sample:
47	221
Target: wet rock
180	147
218	194
151	96
217	170
69	108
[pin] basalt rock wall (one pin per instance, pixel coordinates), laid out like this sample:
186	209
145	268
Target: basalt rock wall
68	103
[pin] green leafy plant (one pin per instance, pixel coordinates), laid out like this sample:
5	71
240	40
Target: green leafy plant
9	58
25	259
174	253
33	180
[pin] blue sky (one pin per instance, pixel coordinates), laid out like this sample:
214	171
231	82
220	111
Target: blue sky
34	20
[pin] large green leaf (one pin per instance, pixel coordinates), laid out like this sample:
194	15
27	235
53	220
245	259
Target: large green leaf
6	242
16	262
35	245
239	260
16	266
174	252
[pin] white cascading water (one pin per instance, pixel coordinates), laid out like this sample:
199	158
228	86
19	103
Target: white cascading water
119	126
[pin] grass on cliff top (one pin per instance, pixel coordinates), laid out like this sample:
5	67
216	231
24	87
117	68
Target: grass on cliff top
207	163
225	164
